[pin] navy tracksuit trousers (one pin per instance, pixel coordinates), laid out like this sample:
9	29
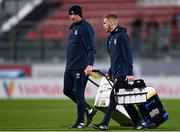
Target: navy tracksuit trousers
74	87
130	108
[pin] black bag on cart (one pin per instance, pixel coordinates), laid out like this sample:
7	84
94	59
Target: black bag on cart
148	103
153	111
144	98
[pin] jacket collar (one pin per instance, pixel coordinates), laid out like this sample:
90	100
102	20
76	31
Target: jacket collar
118	29
77	23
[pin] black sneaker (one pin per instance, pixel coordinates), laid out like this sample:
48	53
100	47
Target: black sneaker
100	127
141	126
152	126
78	125
90	114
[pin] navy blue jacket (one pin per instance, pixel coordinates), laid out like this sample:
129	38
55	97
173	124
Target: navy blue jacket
80	49
119	50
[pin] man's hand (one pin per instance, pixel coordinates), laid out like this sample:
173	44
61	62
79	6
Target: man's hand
129	78
108	76
88	70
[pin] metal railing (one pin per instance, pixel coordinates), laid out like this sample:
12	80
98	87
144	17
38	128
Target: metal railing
36	41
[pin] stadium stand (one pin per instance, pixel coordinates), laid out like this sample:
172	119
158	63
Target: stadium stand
56	25
44	30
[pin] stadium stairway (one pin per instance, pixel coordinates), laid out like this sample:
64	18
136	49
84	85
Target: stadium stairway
33	19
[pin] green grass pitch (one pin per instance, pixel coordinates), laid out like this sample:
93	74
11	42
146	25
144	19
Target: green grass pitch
57	115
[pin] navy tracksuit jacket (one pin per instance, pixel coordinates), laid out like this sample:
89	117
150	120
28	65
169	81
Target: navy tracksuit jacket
80	54
119	50
80	50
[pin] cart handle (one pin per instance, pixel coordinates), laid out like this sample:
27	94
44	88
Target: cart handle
99	71
97	85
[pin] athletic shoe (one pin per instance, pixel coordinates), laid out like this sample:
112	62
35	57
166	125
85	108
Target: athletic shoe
151	125
100	127
77	125
90	114
141	126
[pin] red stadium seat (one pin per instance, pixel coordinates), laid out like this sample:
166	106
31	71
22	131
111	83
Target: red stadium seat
94	11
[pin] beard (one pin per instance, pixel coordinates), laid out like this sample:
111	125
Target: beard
108	29
73	20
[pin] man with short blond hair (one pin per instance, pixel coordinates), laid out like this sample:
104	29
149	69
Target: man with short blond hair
121	69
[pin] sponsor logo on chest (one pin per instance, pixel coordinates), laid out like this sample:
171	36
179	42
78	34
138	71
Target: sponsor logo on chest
114	41
76	32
